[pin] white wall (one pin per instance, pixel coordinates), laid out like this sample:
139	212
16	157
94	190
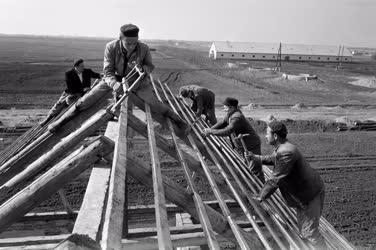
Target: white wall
258	56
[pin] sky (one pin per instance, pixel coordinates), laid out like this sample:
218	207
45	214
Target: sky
328	22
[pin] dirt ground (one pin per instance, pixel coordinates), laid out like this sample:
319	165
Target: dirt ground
31	80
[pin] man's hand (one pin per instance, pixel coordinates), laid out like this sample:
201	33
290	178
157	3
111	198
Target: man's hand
257	198
146	69
117	86
86	90
249	155
208	131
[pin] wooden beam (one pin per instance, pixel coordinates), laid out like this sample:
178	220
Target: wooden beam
114	217
78	242
164	238
174	193
51	181
60	149
89	219
45	142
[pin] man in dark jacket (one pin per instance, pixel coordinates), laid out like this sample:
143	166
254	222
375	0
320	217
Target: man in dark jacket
78	81
234	124
300	185
203	101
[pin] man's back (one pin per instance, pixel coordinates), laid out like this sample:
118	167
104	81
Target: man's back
301	183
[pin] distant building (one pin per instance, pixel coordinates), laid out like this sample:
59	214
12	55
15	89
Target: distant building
269	51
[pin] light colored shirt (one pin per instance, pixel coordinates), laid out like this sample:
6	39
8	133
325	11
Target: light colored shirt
79	75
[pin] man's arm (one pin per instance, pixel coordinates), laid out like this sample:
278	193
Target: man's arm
230	128
284	163
94	75
109	66
220	124
200	104
148	65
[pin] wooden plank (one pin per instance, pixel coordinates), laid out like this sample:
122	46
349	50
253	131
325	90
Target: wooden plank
51	181
89	218
164	238
114	217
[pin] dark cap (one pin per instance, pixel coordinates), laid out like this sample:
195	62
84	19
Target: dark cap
78	62
279	128
229	101
184	92
129	30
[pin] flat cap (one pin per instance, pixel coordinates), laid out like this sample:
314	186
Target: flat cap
129	30
229	101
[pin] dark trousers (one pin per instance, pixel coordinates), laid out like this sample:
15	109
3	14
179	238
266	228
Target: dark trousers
64	101
308	219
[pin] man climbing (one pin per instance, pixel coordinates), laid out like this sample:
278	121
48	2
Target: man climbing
78	81
235	124
203	101
300	185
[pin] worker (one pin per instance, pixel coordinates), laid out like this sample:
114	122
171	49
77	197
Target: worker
203	101
121	56
300	185
235	124
78	81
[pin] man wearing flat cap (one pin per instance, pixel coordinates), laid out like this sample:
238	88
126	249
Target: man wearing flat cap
301	186
120	56
203	101
235	124
78	82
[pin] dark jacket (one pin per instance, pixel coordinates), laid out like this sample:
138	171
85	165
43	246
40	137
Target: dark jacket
113	64
74	84
233	124
203	99
297	181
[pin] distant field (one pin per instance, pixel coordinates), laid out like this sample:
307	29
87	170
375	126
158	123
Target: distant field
37	64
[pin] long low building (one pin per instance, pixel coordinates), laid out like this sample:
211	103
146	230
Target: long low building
269	52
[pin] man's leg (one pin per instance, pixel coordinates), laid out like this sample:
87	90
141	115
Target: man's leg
56	109
308	221
149	97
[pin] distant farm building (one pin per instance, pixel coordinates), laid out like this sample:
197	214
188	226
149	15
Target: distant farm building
269	52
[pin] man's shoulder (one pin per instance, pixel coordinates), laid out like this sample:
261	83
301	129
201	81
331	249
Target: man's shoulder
112	44
287	147
143	45
69	72
237	115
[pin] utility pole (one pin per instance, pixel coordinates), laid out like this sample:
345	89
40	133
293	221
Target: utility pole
279	58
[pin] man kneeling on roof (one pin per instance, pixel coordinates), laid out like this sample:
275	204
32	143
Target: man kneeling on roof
78	81
203	101
300	185
235	124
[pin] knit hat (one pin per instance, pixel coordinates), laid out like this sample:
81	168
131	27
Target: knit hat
229	101
129	30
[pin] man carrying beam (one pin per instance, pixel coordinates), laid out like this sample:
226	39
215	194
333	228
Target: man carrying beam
203	101
234	125
120	56
300	185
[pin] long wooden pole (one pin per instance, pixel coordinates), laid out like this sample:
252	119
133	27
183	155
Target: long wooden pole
54	179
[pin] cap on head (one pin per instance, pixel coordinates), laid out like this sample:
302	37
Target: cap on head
129	30
78	62
279	128
231	102
184	92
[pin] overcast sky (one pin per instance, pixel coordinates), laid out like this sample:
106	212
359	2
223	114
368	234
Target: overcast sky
332	22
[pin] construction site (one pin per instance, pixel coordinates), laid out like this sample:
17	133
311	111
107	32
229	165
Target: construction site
117	175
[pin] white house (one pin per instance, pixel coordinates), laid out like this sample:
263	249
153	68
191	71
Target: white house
269	51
